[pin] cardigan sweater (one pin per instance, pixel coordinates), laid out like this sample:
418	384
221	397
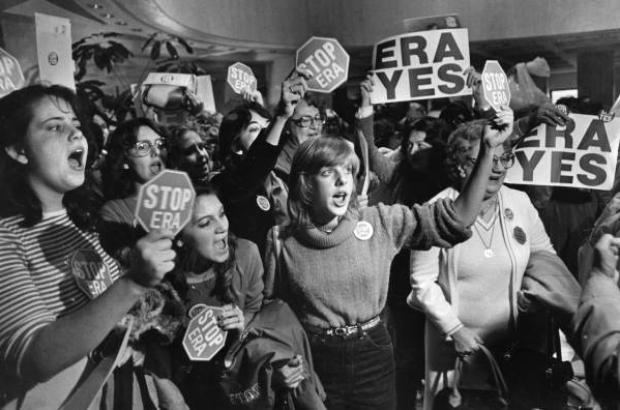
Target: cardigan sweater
434	279
341	278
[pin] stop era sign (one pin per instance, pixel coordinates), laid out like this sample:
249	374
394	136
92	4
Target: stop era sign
166	202
203	337
240	77
11	76
495	85
326	60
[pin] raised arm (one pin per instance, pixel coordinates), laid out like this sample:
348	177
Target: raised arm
468	203
381	165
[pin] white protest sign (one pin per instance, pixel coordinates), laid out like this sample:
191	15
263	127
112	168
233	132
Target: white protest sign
420	66
11	75
54	50
582	154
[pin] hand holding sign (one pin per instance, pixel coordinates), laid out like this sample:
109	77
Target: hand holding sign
366	89
499	128
294	87
231	317
151	259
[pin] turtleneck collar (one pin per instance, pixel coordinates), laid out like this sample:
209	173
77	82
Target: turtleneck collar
316	238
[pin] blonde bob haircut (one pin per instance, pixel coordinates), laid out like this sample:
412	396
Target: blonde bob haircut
311	156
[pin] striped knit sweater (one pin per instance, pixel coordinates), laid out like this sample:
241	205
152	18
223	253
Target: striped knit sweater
36	280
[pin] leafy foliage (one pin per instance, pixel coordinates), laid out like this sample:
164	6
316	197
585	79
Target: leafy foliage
104	52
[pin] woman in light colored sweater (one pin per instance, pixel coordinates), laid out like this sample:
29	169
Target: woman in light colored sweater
331	263
469	292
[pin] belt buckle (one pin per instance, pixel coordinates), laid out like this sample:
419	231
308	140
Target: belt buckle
341	331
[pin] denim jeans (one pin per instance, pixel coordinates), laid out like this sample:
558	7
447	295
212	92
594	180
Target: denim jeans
357	372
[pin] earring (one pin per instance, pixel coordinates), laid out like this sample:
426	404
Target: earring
125	165
179	243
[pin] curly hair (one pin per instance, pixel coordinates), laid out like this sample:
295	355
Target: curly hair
118	181
18	197
310	157
187	260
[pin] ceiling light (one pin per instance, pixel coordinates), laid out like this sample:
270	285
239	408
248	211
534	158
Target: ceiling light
121	23
107	15
95	6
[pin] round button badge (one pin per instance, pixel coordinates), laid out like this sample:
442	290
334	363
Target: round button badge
363	231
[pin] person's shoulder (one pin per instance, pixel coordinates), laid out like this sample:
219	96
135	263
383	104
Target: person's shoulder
246	247
513	194
9	226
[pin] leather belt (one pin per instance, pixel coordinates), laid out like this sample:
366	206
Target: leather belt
345	331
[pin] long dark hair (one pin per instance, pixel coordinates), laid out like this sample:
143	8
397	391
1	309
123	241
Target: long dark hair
118	181
234	122
18	198
186	261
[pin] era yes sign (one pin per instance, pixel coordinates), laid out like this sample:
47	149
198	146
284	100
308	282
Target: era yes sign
166	202
203	337
495	85
327	62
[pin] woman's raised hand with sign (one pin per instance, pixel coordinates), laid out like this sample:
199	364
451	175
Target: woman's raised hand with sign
474	81
151	259
293	89
252	96
499	128
366	88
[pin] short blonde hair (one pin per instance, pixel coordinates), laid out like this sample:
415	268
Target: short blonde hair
311	156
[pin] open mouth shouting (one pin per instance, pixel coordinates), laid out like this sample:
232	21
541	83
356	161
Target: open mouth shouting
156	167
77	159
340	199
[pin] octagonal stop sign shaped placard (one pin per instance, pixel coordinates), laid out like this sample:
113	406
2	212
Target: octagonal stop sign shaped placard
11	76
203	337
166	202
495	85
240	77
327	62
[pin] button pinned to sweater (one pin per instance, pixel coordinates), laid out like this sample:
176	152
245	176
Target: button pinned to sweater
519	235
263	203
363	230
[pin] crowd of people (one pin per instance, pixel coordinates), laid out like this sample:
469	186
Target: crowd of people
430	288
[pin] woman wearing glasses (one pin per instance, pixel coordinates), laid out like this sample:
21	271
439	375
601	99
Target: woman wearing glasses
469	292
137	151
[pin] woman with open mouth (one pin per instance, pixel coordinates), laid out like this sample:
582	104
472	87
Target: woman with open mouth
60	292
215	268
137	151
331	263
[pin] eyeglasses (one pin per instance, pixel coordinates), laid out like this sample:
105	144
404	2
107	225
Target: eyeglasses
507	159
144	148
307	121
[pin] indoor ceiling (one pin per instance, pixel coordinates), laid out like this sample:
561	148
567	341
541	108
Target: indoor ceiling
140	18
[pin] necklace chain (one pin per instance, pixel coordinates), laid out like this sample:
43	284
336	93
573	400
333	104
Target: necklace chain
486	246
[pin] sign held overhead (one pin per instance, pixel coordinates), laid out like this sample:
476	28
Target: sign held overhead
420	66
326	61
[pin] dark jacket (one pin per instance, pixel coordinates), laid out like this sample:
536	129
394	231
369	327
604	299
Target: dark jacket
269	341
